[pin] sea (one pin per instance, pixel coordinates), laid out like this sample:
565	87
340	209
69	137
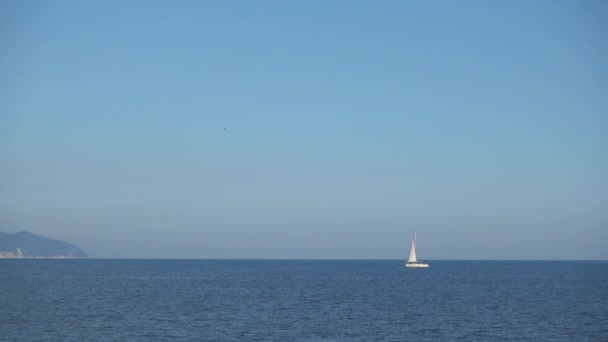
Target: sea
302	300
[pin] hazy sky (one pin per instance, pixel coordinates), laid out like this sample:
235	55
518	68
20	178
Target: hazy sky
307	129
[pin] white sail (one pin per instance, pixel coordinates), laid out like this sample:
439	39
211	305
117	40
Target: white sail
412	261
412	256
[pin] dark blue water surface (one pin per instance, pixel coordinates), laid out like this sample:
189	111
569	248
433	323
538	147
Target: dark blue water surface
210	300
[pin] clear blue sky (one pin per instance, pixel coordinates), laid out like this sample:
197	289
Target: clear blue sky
308	129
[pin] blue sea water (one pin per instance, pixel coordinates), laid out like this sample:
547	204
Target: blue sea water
225	300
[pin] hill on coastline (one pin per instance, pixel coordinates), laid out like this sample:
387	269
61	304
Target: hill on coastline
28	245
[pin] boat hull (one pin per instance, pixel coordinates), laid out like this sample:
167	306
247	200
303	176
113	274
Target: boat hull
416	264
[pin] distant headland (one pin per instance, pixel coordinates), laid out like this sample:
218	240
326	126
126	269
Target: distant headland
28	245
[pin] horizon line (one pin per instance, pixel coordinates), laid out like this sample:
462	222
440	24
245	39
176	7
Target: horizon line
293	259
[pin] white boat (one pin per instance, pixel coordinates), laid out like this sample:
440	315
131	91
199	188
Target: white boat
411	259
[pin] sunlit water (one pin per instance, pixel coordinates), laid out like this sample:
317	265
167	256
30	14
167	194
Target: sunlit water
206	300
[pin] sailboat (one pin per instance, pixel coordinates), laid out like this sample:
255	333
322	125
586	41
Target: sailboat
411	259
